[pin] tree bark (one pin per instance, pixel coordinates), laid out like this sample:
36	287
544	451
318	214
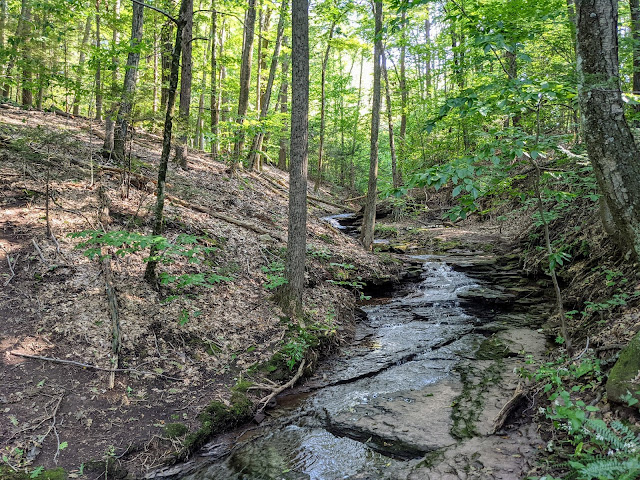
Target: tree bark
297	234
81	60
126	104
245	80
186	75
166	34
110	120
214	104
323	77
256	147
634	6
25	54
150	272
403	83
396	175
283	100
610	144
369	219
98	76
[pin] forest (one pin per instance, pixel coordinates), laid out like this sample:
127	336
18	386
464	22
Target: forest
244	239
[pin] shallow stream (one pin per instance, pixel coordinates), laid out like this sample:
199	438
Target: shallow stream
392	396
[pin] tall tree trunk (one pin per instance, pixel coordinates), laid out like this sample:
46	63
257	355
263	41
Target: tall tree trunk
356	121
427	60
166	45
126	104
186	5
214	105
403	83
81	60
6	72
634	6
297	234
186	75
245	80
256	147
610	144
98	77
369	219
110	120
25	53
154	106
260	54
203	86
396	175
282	154
323	77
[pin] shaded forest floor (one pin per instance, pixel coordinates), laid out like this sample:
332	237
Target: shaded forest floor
188	347
183	353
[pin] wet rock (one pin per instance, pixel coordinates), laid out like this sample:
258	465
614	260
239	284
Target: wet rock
395	424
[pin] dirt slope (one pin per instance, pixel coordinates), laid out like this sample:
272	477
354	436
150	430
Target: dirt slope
53	301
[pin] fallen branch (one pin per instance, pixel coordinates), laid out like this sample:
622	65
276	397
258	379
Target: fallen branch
33	240
116	334
508	407
94	367
13	274
219	216
265	401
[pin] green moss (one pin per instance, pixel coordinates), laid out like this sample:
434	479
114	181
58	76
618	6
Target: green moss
175	430
7	473
492	349
217	418
622	375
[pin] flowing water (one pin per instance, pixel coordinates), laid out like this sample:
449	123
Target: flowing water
382	405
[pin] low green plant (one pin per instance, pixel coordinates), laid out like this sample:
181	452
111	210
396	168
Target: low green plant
275	275
597	449
184	248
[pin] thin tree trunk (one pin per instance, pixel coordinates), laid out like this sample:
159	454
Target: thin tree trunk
610	143
395	170
154	106
282	154
297	234
110	120
214	103
427	60
81	60
256	147
150	272
325	60
403	83
203	86
369	219
260	54
356	121
186	75
245	80
166	39
126	104
98	77
25	53
634	6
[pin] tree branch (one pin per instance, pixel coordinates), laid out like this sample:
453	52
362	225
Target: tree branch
146	5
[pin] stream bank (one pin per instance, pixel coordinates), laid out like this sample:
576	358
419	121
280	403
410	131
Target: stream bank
416	392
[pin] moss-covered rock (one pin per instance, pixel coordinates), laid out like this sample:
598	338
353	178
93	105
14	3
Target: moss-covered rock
175	430
7	473
623	375
492	348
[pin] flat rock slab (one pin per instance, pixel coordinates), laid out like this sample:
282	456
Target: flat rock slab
404	424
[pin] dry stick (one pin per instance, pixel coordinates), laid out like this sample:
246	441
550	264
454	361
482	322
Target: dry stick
508	407
33	240
94	367
47	199
281	389
13	274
